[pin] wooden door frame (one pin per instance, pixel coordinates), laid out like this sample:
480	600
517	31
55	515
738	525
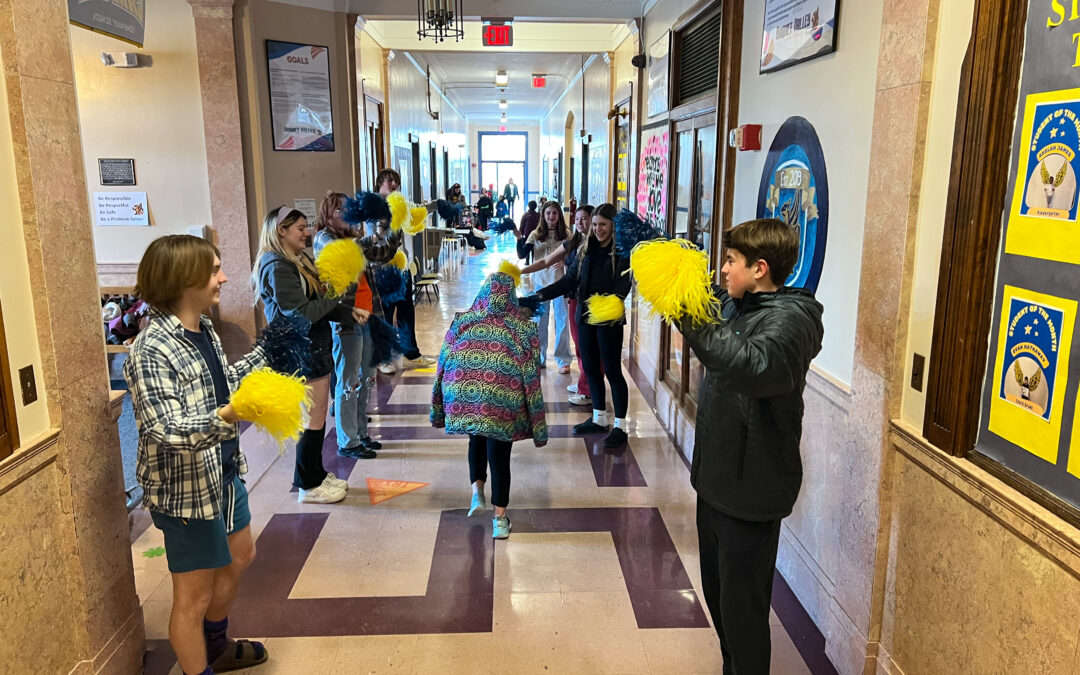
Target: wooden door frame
8	393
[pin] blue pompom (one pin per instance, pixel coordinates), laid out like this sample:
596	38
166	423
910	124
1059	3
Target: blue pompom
391	284
384	339
447	211
287	345
630	230
366	206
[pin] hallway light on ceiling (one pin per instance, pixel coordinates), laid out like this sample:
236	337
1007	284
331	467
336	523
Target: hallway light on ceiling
502	104
501	78
439	19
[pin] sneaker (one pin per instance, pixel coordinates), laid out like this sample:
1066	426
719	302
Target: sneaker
324	494
500	527
588	427
572	389
418	362
387	369
370	443
564	370
333	481
578	399
478	505
359	452
616	439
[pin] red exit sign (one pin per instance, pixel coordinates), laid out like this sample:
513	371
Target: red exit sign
498	35
539	81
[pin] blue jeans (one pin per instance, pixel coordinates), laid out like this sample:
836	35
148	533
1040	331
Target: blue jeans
355	378
563	357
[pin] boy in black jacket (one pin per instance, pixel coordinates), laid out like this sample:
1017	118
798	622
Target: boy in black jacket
747	469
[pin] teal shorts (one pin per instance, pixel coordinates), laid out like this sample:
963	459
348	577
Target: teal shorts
195	544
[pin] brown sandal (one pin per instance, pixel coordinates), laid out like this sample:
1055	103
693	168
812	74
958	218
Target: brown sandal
240	654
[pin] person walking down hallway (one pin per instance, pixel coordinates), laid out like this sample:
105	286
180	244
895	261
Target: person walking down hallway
510	194
287	282
747	469
545	239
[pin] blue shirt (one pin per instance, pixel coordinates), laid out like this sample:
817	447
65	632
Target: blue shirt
221	393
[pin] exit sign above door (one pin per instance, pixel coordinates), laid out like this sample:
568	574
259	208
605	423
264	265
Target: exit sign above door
498	35
539	81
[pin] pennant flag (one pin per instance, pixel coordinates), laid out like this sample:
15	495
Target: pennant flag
381	489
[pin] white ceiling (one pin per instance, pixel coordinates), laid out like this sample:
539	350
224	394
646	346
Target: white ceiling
469	81
522	10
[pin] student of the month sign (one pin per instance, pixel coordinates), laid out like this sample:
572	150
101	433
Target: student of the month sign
1031	369
1043	217
300	96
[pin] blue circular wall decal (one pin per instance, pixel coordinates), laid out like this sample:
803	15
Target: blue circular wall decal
795	189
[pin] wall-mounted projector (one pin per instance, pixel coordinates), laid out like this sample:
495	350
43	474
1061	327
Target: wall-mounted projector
120	59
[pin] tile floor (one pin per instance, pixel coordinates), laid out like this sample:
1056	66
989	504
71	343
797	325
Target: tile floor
600	574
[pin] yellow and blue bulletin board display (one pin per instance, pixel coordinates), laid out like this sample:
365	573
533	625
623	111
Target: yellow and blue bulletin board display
1031	370
1074	445
1043	218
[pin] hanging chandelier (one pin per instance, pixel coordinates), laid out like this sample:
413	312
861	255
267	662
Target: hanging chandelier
439	19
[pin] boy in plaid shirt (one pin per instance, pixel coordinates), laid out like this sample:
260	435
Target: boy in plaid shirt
189	460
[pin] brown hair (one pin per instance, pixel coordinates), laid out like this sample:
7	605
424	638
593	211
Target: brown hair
561	231
331	202
171	265
766	239
385	175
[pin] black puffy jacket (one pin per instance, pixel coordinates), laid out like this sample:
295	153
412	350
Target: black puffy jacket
750	407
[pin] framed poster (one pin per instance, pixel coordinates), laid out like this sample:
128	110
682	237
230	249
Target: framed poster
795	31
300	109
658	75
652	186
122	20
116	171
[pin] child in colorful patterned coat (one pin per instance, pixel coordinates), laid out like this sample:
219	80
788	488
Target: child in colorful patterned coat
487	385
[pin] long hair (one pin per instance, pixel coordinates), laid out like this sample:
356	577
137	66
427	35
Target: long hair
331	202
561	233
270	242
608	212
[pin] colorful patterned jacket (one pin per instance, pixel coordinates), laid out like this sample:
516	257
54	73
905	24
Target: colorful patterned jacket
488	378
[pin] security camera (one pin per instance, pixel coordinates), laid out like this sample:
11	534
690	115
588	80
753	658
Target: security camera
638	61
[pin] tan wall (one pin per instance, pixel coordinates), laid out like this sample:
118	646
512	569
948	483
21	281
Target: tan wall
152	114
279	177
370	66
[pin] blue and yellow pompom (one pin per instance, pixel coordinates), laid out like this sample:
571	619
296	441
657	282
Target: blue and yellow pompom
399	261
340	263
508	267
399	210
673	276
273	402
417	220
605	309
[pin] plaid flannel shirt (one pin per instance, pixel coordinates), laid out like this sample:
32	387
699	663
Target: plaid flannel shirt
180	432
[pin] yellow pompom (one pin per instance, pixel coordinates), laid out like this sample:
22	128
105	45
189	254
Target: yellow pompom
417	220
399	260
673	276
340	263
399	210
605	309
273	402
508	267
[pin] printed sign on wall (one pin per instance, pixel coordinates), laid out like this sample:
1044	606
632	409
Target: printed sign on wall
1031	370
300	96
796	31
1043	218
123	19
795	189
121	208
653	174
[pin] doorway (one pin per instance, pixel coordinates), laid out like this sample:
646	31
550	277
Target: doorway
583	196
511	148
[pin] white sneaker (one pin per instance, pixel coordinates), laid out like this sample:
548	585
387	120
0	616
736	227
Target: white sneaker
387	369
324	494
572	388
578	399
419	362
334	482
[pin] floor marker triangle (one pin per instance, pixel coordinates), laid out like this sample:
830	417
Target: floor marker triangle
382	489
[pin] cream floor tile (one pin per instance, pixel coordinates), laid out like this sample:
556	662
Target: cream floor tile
682	650
405	393
786	659
289	656
590	651
527	652
600	611
464	653
375	654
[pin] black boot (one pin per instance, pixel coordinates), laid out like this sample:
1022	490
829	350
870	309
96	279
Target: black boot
309	472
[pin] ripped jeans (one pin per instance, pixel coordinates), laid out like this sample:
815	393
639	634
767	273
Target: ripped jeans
355	378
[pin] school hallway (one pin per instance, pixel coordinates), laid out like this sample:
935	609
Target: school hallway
600	573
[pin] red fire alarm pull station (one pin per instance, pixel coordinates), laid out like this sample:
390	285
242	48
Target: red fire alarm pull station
539	81
498	35
745	137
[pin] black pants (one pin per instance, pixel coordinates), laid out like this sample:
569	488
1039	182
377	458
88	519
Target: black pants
403	312
737	562
602	345
484	451
309	472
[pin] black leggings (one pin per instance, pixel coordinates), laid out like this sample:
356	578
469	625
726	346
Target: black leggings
602	345
484	451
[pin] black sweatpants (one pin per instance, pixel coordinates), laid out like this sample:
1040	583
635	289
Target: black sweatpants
737	562
484	451
309	472
602	345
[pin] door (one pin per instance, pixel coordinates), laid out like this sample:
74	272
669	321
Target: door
693	181
622	166
505	156
9	427
447	182
583	196
557	182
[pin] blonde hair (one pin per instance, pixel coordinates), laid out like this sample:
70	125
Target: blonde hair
171	265
270	242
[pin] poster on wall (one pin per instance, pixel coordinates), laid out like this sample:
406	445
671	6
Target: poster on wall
121	19
1043	218
1031	370
795	189
653	174
300	96
658	75
121	208
795	31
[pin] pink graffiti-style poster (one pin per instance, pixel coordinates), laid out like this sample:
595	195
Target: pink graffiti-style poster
653	175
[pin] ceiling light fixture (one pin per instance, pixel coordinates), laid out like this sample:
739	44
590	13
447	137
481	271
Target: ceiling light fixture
439	19
502	105
501	78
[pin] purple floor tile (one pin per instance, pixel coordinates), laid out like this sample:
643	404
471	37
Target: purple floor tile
613	467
